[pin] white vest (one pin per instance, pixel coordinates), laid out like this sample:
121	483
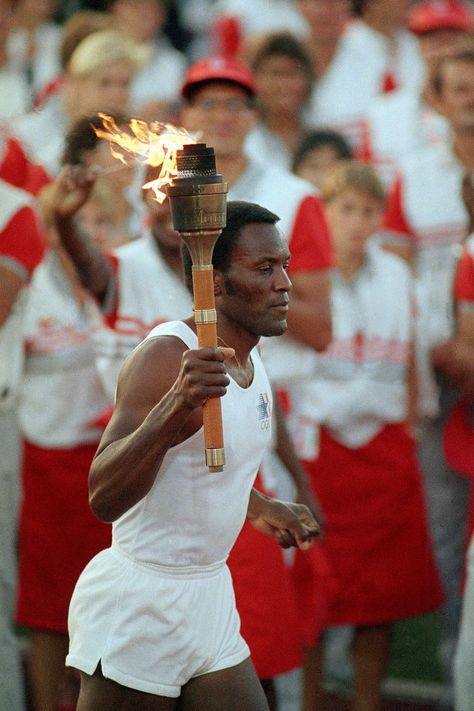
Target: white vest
432	206
61	392
280	192
11	343
149	292
397	125
191	516
359	383
354	78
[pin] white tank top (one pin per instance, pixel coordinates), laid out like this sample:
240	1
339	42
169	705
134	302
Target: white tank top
191	516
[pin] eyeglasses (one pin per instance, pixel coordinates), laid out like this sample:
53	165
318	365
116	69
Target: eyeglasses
230	105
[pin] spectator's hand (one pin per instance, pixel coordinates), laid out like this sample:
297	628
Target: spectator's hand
69	191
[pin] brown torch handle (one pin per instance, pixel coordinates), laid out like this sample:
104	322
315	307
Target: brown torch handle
205	318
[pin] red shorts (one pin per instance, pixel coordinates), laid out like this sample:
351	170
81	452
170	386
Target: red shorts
59	534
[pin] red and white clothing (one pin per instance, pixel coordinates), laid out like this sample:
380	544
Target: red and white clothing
303	224
144	293
21	249
349	430
17	168
61	397
182	530
397	125
425	211
147	293
366	64
359	381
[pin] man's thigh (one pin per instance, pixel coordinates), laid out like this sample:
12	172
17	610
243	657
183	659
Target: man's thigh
232	689
100	694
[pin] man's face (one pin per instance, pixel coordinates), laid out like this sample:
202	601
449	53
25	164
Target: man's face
456	100
221	113
254	293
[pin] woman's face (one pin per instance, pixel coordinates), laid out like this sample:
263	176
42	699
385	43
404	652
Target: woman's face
107	89
316	163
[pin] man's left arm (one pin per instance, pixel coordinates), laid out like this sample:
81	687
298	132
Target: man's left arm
309	316
290	524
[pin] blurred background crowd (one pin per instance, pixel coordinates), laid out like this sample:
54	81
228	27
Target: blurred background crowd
353	120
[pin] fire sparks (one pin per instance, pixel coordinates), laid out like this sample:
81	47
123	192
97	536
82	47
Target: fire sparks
155	145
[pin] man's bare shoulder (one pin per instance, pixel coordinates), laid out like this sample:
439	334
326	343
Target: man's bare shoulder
152	367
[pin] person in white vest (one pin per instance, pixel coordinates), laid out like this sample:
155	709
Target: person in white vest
352	427
153	618
138	286
21	250
219	96
455	358
375	55
426	222
405	121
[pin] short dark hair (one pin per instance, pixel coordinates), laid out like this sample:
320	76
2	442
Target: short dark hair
463	55
82	137
277	44
316	139
239	214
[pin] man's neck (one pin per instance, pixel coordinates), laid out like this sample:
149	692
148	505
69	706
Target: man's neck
231	167
322	53
463	146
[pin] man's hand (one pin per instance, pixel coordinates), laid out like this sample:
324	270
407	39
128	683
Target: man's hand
202	376
290	524
68	192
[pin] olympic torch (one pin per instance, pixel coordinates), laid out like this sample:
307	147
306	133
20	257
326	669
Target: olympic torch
197	196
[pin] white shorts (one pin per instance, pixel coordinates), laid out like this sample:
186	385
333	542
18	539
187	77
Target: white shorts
151	627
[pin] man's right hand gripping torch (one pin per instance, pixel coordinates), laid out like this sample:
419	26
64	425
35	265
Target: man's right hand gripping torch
197	196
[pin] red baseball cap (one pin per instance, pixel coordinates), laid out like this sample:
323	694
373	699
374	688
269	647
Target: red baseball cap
440	15
218	69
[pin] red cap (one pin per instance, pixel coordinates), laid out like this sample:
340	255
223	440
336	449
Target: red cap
218	69
440	15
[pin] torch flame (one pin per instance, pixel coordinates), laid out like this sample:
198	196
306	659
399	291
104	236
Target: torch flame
155	145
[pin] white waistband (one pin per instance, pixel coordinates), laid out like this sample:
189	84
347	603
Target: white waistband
172	571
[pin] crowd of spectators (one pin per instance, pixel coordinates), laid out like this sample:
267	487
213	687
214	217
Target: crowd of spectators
353	120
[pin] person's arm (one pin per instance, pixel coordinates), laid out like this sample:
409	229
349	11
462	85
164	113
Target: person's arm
60	202
286	452
309	315
397	233
10	286
290	524
160	394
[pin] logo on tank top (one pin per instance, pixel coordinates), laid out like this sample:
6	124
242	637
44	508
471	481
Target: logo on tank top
264	409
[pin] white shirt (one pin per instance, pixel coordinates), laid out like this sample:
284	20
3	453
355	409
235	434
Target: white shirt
342	96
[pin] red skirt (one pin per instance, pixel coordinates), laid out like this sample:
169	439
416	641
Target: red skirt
376	539
58	536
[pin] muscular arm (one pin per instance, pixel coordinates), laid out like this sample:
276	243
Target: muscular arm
159	404
309	315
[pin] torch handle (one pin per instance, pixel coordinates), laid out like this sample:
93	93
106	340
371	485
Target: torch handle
205	318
